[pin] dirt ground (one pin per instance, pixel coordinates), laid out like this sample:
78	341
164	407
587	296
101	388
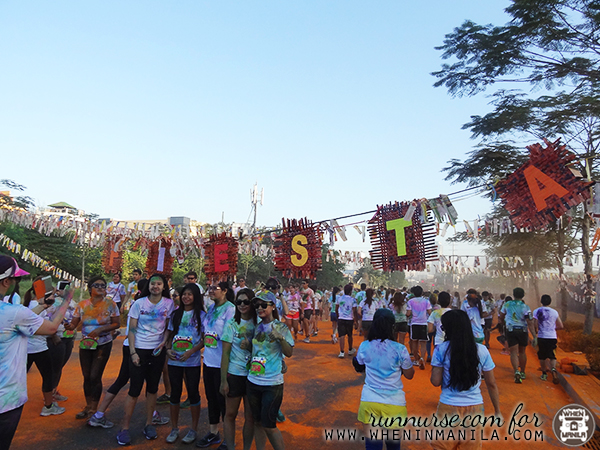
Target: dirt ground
322	393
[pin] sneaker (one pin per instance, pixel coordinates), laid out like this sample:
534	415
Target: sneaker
186	404
555	379
172	437
59	398
415	363
208	440
522	375
351	352
306	341
518	377
421	364
123	437
300	332
544	376
223	446
84	414
54	410
190	437
150	432
163	399
316	333
157	419
280	417
104	423
504	352
341	355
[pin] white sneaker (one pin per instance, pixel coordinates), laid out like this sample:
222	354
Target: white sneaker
351	352
341	355
54	410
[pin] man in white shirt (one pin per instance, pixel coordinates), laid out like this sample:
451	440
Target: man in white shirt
546	321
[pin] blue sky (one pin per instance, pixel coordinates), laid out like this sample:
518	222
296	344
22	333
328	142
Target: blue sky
151	109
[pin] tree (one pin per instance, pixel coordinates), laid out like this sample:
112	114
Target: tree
550	45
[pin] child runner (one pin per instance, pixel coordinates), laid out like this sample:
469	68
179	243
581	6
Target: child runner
184	359
546	322
457	366
385	361
237	345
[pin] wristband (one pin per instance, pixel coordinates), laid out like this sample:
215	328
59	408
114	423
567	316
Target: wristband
131	354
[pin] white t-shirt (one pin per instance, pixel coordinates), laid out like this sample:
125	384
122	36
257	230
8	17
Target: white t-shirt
475	318
419	307
470	397
16	299
213	326
436	319
267	355
345	303
308	298
37	344
152	321
17	324
368	311
383	361
546	318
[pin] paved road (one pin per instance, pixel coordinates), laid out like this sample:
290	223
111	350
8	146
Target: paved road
322	393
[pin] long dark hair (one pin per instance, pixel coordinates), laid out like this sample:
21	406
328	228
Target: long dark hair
30	293
398	300
382	327
464	357
198	308
476	300
237	316
334	292
369	297
229	294
165	292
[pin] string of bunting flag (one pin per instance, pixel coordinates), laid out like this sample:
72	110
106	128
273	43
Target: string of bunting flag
36	261
402	234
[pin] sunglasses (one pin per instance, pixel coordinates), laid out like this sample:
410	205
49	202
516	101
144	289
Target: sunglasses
242	302
262	305
99	286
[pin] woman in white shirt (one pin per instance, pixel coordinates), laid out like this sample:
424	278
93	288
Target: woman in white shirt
385	361
457	366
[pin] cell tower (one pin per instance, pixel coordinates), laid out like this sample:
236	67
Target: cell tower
255	200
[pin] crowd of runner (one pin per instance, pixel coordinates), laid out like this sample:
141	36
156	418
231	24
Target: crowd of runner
236	339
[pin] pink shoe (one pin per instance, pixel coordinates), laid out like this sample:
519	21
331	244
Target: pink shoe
504	352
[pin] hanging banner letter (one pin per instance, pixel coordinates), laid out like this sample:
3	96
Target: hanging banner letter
221	258
297	242
398	225
535	177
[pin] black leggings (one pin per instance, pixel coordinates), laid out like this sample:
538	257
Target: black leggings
149	370
57	354
93	363
192	383
123	377
43	362
216	402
